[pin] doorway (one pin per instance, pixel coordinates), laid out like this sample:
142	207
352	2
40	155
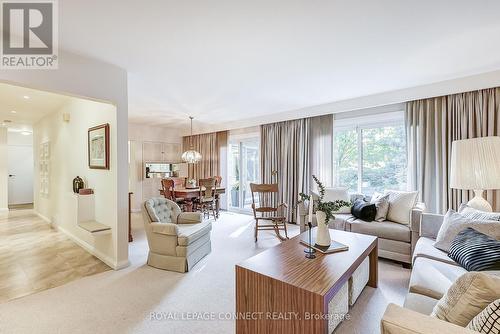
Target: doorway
20	169
243	161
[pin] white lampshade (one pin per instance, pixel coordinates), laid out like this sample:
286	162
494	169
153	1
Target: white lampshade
475	164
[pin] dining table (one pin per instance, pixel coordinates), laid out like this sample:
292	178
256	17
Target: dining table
189	194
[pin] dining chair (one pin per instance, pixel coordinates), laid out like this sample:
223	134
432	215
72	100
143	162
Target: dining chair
218	182
168	187
264	199
206	199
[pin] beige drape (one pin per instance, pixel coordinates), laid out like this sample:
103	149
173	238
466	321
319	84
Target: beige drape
283	159
209	145
432	124
321	150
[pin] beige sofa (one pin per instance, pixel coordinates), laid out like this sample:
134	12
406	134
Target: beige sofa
395	241
432	275
177	240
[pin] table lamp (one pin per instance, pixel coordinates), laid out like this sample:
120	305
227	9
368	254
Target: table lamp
475	165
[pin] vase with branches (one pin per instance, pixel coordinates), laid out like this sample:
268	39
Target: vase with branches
325	211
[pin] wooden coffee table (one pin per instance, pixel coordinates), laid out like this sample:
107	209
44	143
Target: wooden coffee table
279	288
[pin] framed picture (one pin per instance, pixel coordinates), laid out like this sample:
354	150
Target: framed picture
98	147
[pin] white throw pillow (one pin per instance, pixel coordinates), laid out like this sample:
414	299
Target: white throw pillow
338	194
476	214
400	205
454	223
382	203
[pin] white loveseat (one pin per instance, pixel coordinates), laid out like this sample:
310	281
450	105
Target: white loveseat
432	275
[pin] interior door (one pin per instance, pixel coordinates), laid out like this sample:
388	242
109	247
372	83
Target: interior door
20	162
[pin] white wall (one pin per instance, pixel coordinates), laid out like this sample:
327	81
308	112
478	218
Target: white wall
68	159
4	173
86	77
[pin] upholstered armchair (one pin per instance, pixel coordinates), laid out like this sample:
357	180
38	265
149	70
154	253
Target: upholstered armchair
177	240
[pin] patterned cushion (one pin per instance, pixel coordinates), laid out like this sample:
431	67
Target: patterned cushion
475	214
162	210
467	297
454	222
475	251
488	321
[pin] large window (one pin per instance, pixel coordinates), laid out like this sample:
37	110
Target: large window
370	157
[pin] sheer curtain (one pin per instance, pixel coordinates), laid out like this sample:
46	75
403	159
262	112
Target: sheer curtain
431	125
209	145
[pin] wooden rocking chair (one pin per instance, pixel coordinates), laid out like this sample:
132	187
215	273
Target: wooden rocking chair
265	209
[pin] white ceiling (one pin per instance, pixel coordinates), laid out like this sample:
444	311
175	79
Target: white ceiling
22	107
222	61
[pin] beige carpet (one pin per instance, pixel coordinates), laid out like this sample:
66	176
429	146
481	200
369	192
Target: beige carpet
123	301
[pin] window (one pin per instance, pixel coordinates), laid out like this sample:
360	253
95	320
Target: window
370	157
243	169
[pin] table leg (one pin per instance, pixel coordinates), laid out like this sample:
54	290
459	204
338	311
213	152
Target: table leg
189	205
373	278
130	238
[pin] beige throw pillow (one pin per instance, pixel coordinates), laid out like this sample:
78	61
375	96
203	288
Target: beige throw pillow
382	204
400	205
338	194
467	297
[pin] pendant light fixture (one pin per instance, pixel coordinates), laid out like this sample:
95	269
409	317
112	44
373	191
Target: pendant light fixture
191	156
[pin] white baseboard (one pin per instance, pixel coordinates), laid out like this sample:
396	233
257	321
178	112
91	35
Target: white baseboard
47	220
4	209
91	249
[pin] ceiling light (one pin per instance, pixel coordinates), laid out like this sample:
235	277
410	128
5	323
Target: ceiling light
13	112
191	156
26	97
25	133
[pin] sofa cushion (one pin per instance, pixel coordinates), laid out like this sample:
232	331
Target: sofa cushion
467	297
382	204
454	222
488	321
364	210
470	212
189	233
425	248
433	278
420	303
475	251
338	194
400	205
385	229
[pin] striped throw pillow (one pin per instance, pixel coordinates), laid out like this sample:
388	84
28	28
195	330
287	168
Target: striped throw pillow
475	251
488	321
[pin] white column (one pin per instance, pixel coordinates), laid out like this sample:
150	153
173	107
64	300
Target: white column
4	171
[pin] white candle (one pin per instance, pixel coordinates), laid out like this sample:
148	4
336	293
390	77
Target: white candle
311	204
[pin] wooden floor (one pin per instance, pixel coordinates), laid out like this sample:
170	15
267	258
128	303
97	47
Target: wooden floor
35	257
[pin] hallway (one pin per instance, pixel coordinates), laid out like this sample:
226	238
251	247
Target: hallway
34	257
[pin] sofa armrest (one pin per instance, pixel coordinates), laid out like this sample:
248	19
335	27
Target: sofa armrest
189	218
430	223
415	216
164	228
398	320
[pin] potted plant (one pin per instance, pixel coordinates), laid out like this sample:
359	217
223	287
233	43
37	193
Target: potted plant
324	212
